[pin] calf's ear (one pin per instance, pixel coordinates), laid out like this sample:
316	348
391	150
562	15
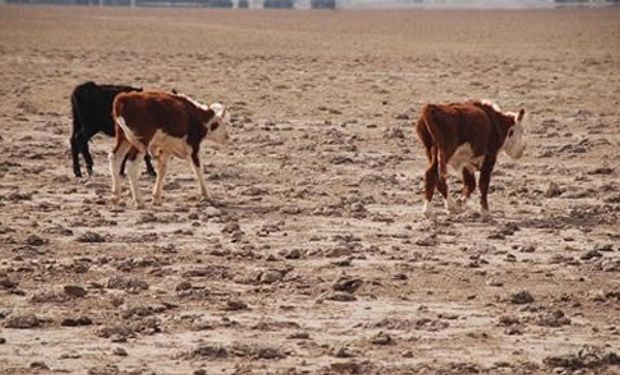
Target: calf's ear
520	114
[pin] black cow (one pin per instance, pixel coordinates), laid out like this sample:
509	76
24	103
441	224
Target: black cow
91	106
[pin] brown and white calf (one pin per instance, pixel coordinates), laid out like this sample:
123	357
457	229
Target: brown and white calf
163	124
467	137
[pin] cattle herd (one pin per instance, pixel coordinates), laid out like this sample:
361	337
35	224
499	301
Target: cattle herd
464	136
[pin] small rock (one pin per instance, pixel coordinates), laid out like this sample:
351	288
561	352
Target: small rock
90	237
75	291
269	353
346	367
402	116
183	285
527	249
347	284
34	240
40	365
212	212
127	283
427	241
342	352
521	297
79	322
25	321
121	352
341	297
231	227
271	276
553	319
591	254
299	336
209	351
6	283
495	282
381	339
292	254
235	305
2	341
553	190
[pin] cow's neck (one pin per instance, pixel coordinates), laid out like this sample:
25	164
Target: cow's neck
501	125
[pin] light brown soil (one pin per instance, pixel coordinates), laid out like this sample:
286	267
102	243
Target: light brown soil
319	191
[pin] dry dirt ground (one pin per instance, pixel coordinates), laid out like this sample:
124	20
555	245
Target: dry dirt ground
312	256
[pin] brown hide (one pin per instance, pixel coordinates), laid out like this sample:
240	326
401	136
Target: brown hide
146	112
442	128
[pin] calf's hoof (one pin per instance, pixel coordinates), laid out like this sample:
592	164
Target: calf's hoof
138	204
453	207
156	201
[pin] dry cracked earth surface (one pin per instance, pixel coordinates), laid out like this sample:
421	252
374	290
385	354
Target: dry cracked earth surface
311	256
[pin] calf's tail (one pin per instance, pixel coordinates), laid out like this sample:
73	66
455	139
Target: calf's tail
428	132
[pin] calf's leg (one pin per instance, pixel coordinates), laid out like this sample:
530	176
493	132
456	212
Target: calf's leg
162	164
149	166
87	157
133	172
116	159
196	165
75	154
430	181
483	183
442	185
469	185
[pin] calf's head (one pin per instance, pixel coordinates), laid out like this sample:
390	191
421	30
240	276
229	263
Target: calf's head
514	145
218	126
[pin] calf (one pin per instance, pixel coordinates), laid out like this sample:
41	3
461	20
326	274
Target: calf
467	137
91	107
163	124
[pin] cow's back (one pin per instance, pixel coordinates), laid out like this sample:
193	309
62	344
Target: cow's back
452	125
93	104
146	112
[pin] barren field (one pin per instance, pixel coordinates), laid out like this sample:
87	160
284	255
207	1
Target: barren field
312	256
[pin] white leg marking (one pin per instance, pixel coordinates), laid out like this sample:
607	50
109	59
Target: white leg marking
116	160
451	207
428	209
162	164
133	170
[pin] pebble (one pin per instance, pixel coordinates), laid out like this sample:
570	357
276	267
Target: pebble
521	297
75	291
121	352
341	297
25	321
381	339
90	237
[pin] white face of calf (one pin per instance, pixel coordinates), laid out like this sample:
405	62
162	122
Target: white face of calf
515	143
218	128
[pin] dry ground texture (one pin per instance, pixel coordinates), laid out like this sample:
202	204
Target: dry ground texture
312	256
